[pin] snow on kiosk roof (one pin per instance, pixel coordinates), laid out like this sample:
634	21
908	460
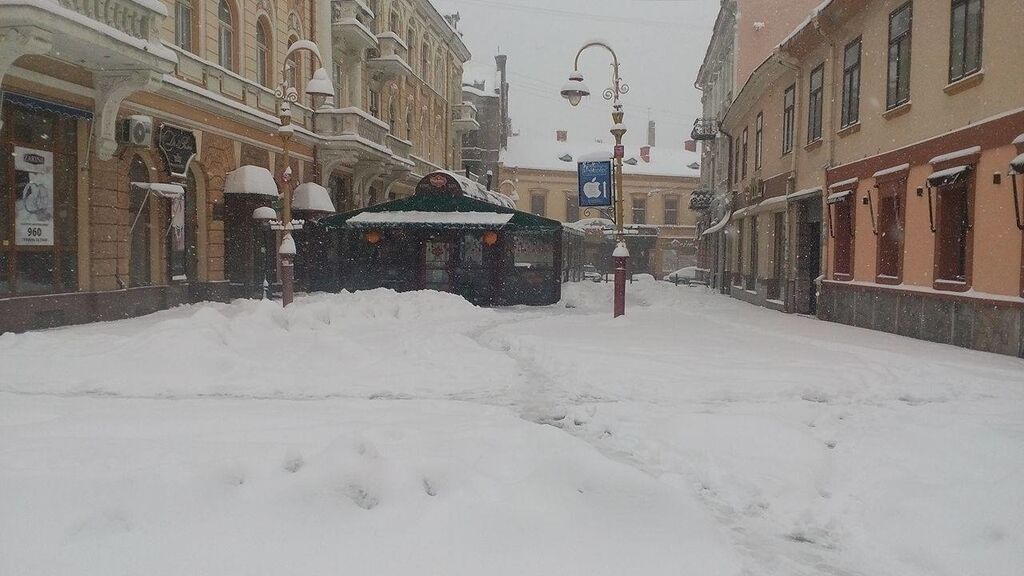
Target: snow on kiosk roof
251	180
444	199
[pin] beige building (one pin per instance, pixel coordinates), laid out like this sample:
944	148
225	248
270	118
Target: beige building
916	198
125	126
541	177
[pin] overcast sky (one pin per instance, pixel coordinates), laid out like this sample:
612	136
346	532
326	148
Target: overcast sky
660	44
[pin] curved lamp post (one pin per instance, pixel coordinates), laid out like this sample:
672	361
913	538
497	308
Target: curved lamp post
574	91
319	85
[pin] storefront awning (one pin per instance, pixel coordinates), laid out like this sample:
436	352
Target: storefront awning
948	176
251	180
159	189
1018	164
837	197
431	218
718	225
45	106
805	193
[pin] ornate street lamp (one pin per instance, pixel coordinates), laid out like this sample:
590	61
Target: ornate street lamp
574	91
319	86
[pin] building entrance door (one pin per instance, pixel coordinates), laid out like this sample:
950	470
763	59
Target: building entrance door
437	265
808	261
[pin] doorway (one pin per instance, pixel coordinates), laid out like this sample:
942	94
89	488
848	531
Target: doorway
808	256
437	265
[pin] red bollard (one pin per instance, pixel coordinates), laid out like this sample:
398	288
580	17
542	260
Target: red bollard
621	255
287	280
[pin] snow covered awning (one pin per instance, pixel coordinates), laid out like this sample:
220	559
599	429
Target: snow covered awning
313	197
718	225
1017	164
837	197
431	218
251	180
159	189
805	193
851	183
948	176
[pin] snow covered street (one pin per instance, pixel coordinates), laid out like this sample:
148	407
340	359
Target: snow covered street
401	434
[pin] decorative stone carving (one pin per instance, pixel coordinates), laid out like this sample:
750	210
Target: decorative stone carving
111	90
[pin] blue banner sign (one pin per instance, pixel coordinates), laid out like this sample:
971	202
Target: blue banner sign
595	183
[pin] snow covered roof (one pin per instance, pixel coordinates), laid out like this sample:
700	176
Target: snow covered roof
422	217
544	152
1018	164
477	92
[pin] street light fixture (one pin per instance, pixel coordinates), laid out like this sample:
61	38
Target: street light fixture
574	91
319	85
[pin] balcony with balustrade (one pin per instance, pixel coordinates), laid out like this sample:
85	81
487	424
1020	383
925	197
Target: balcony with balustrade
465	119
352	25
391	60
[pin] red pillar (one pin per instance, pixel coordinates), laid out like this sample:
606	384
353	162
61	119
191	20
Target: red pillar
621	255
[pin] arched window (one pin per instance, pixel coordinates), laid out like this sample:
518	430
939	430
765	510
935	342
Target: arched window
139	265
226	36
292	66
425	63
183	24
262	53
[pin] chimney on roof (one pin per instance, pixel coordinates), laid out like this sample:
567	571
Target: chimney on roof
690	145
561	135
650	132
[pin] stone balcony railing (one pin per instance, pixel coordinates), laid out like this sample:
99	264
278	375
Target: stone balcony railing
465	119
423	167
138	19
352	22
391	58
352	122
210	77
400	148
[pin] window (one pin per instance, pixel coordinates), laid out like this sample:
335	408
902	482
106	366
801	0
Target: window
183	24
393	23
758	140
572	208
815	102
890	230
425	63
788	119
671	211
736	166
375	103
38	207
898	87
751	283
743	163
408	124
140	222
965	38
639	210
851	84
842	231
291	66
225	36
952	233
262	53
537	201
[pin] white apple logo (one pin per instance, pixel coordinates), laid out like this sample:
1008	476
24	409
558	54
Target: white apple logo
592	189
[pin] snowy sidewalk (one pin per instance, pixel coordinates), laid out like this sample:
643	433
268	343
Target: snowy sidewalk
416	434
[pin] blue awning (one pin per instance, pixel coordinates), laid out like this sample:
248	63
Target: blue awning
45	106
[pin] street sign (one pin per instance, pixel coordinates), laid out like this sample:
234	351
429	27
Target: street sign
595	183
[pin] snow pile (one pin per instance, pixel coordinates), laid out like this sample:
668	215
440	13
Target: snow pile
697	434
362	344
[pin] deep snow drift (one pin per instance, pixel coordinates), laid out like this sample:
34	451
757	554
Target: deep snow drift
381	433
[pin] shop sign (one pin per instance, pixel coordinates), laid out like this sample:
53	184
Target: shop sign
595	183
177	146
33	183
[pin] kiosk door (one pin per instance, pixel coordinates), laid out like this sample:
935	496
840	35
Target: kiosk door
437	265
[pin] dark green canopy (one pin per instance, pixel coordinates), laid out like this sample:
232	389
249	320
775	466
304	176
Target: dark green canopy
443	203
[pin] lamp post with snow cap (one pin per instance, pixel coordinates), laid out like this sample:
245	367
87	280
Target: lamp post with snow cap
319	85
574	91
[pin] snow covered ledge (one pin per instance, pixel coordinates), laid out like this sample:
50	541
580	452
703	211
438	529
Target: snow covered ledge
117	40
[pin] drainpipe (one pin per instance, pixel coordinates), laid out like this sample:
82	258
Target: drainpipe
791	272
726	280
829	132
